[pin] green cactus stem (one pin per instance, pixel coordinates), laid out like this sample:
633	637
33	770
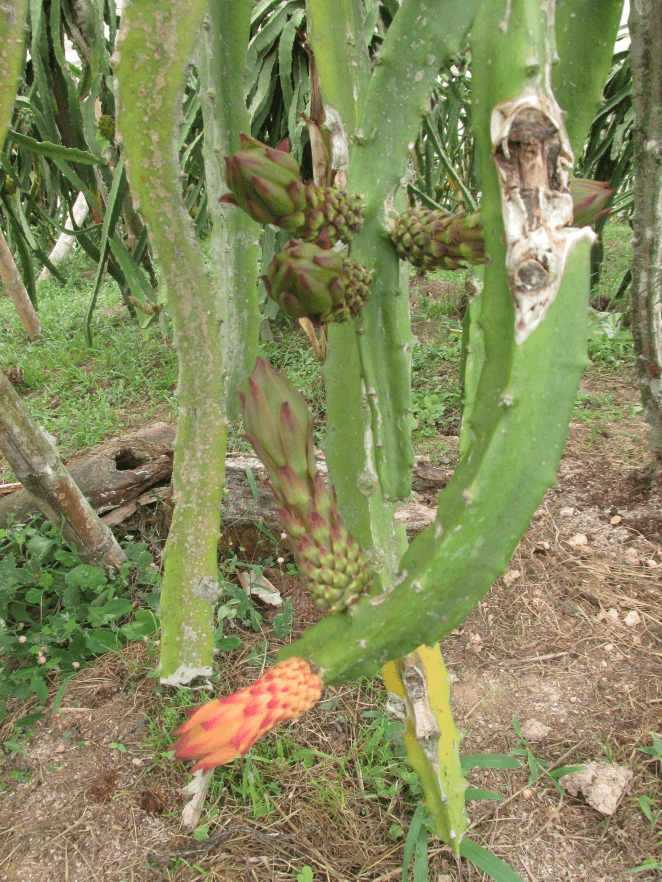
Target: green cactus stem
367	374
13	30
585	36
221	63
156	44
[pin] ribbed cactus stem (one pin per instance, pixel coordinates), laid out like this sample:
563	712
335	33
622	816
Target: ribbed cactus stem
161	37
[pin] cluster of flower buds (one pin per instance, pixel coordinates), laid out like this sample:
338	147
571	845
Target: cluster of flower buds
306	280
280	427
226	728
266	183
434	238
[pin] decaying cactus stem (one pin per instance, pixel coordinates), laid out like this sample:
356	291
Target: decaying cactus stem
533	157
419	688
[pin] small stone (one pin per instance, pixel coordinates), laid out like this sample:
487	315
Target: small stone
616	520
601	784
652	564
511	576
578	540
632	618
566	512
534	730
612	614
526	793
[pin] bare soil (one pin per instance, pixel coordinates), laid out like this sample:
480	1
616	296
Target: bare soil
569	638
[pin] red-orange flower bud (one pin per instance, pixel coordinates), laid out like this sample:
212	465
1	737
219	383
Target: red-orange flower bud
226	728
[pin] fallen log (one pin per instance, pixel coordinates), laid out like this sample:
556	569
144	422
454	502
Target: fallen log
135	470
118	471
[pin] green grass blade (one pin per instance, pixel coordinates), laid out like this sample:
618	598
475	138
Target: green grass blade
489	761
487	862
416	830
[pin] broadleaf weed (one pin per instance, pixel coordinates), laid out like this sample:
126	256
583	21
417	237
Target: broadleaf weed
57	614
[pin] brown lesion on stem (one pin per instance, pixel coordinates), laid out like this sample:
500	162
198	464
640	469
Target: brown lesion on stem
420	712
534	147
533	158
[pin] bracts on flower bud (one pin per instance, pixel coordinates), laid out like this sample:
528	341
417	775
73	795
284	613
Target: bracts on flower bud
307	281
280	428
266	183
228	727
432	238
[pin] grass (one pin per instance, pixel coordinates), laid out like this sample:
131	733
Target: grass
616	238
84	396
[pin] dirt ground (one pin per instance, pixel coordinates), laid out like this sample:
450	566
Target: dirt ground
568	642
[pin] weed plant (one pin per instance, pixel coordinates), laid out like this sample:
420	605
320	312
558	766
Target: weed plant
57	614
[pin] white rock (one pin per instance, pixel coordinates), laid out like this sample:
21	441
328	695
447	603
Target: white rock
534	730
566	512
632	618
511	576
601	784
578	540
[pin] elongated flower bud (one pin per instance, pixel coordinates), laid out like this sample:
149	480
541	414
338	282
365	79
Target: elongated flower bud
589	200
226	728
280	428
432	238
278	424
306	280
266	183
